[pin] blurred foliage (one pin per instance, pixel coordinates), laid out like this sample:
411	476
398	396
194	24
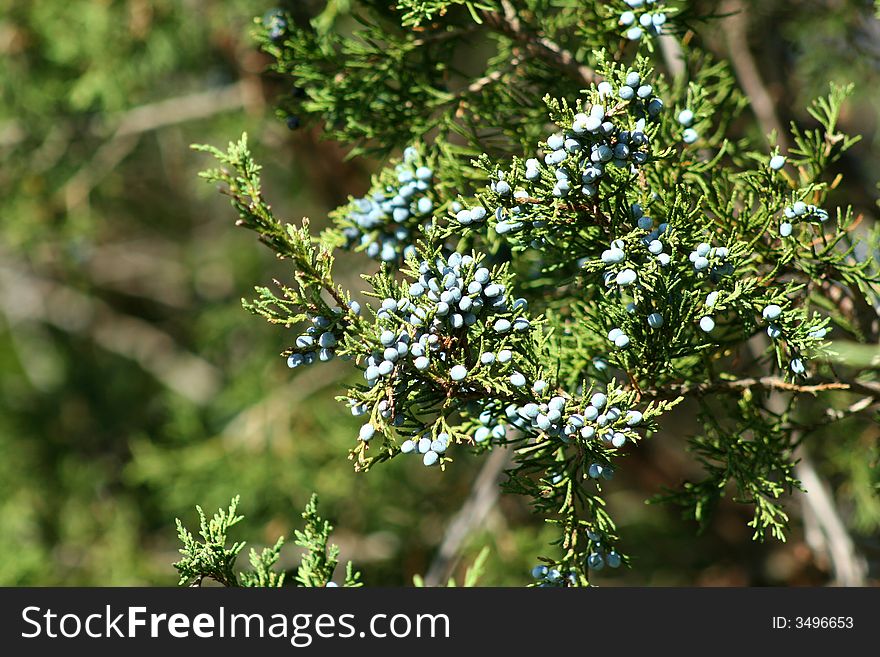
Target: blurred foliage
133	386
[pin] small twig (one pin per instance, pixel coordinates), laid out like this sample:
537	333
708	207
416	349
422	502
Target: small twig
251	427
766	382
27	297
672	55
848	566
135	122
173	111
484	494
508	23
835	414
477	86
824	530
762	104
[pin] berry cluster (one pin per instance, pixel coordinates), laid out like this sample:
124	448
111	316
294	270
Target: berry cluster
610	133
601	420
621	268
644	18
600	557
686	119
492	426
773	314
429	449
770	313
385	222
598	560
452	321
798	212
317	343
711	260
552	576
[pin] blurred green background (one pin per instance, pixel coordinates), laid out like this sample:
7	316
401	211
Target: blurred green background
133	386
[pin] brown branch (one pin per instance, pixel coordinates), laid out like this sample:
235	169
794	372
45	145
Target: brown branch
869	388
131	124
484	495
673	55
835	414
830	533
509	24
735	29
26	297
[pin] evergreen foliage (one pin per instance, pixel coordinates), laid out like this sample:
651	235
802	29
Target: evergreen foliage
131	385
213	558
605	242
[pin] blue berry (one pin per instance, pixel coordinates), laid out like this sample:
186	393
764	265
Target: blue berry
595	561
707	324
689	136
517	379
626	277
777	162
613	256
366	432
458	372
771	311
633	418
655	320
502	326
613	559
686	117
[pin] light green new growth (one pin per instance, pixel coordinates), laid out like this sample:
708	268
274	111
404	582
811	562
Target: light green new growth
664	253
211	557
